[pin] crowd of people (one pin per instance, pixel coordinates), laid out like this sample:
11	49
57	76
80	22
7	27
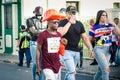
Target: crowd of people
63	28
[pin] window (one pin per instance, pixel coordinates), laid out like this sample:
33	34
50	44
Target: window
8	16
116	5
73	3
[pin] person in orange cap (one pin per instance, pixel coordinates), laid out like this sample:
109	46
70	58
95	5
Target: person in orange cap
49	42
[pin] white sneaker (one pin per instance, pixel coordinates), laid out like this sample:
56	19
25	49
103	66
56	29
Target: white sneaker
113	64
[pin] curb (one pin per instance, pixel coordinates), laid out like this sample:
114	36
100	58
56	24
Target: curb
63	68
8	61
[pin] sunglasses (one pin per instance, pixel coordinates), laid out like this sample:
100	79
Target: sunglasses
72	12
54	22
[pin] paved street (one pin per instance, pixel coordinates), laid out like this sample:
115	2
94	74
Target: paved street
10	71
79	76
15	70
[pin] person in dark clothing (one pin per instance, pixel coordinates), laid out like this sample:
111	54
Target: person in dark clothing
114	46
34	25
73	30
23	43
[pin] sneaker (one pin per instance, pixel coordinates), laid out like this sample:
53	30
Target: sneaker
20	64
81	68
28	65
113	64
93	63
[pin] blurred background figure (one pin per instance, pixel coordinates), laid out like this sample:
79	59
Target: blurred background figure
62	11
116	21
34	25
117	58
91	22
80	63
24	48
114	46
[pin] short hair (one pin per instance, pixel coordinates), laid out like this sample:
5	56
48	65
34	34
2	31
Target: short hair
22	26
71	8
116	18
62	9
36	10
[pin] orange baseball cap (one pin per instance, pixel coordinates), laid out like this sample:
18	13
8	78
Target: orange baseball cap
52	14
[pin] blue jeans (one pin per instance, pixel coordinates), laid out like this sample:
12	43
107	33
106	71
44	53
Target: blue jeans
102	56
21	56
33	46
71	59
118	56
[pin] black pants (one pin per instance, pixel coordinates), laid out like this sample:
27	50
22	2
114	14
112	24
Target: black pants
93	45
25	51
81	57
113	52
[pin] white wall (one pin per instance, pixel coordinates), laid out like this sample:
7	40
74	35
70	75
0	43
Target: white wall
57	4
89	8
29	5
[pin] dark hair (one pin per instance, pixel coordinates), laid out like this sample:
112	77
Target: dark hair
62	9
36	10
116	18
71	8
22	26
99	14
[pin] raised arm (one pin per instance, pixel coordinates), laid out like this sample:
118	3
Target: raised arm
63	29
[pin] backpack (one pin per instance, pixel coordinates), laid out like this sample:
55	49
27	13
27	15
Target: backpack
25	38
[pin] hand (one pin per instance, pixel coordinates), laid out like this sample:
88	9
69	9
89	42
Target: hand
38	71
64	41
72	19
111	22
91	54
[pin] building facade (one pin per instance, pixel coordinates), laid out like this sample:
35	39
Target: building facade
13	13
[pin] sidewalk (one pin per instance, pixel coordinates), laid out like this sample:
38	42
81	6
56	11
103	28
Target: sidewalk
90	70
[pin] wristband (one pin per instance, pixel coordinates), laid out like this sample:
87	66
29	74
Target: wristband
90	49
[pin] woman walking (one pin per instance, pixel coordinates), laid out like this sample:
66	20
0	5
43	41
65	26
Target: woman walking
102	32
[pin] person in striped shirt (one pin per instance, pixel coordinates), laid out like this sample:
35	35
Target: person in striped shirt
102	33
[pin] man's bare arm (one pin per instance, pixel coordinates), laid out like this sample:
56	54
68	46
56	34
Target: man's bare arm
63	30
34	31
37	59
88	44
